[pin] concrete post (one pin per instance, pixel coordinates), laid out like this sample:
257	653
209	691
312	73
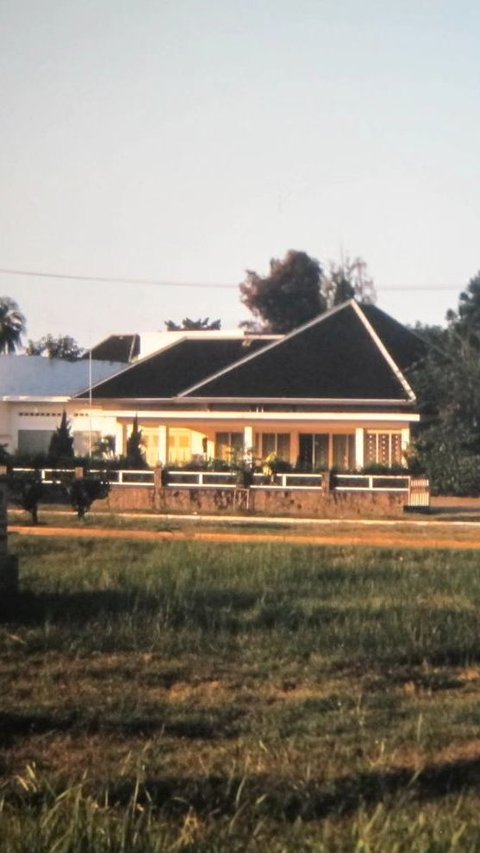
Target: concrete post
326	482
8	563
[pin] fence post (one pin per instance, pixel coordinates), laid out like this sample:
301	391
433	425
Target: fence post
8	562
326	482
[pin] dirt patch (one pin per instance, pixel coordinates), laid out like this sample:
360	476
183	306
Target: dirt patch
438	539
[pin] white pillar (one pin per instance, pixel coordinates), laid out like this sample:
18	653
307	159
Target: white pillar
248	442
405	443
119	433
359	447
163	444
294	446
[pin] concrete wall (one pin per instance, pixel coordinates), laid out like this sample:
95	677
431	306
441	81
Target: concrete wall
308	502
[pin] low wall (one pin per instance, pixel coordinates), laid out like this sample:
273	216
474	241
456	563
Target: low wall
307	502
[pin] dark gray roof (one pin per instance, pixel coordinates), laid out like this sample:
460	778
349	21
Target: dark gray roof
405	347
168	372
334	357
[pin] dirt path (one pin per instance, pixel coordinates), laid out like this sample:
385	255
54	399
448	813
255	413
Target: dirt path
365	537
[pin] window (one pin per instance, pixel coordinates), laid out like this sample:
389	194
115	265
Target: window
383	448
179	446
84	441
326	450
228	445
343	451
34	440
272	442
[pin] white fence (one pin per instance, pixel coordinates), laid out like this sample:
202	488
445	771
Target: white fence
229	479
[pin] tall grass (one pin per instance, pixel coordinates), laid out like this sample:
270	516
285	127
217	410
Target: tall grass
193	696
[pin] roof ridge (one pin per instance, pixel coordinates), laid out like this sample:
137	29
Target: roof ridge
383	349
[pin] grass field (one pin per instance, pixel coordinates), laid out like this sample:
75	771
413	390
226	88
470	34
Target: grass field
196	696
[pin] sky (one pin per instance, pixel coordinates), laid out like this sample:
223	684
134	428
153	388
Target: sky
185	141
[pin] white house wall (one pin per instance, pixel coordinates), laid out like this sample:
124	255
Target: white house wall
19	418
160	427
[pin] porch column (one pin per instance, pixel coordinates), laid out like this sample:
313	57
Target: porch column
163	444
120	448
248	442
359	447
294	447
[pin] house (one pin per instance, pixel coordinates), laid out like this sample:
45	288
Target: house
34	391
333	393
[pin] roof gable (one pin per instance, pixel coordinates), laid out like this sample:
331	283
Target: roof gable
337	356
168	372
123	348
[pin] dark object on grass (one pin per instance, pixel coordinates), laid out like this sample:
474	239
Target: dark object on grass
84	491
27	492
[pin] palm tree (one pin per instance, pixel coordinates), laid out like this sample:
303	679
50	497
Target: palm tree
12	325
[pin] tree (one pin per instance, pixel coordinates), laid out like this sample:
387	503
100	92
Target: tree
199	325
447	384
348	280
465	322
12	325
61	442
62	346
135	451
289	296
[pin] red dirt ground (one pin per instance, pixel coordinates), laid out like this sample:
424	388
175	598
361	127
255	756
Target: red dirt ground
444	536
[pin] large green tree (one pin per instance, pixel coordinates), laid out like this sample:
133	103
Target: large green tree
12	325
465	321
447	384
297	289
285	298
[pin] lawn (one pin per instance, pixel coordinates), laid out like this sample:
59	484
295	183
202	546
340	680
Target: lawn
197	696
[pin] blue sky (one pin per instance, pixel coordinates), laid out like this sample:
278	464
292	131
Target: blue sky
188	140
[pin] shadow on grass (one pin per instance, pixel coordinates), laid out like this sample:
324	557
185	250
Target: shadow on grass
267	797
28	608
213	725
289	801
376	637
194	609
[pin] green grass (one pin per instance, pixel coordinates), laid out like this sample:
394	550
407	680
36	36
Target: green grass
197	696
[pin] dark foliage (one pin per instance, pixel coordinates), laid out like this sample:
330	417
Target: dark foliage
26	492
447	385
84	491
135	457
12	325
348	280
297	289
62	346
61	442
200	325
287	297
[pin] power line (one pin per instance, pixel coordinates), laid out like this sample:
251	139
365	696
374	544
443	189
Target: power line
152	282
111	280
